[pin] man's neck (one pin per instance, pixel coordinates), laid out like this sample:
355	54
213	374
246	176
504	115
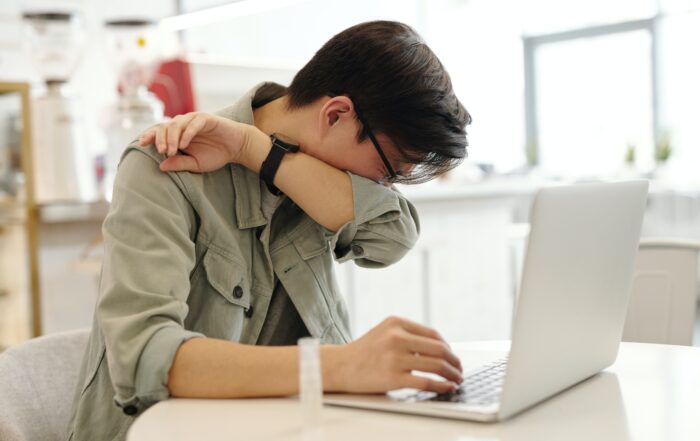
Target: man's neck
276	117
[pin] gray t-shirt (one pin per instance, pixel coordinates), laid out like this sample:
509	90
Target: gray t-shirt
283	326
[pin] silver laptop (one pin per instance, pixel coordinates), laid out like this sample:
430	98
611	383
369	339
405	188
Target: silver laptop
570	310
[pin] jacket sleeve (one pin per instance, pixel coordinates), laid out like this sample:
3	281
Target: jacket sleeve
384	228
149	254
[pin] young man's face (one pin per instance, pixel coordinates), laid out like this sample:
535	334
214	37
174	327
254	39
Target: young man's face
360	158
337	144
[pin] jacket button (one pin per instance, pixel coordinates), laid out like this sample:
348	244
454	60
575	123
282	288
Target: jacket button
238	292
357	250
249	312
130	410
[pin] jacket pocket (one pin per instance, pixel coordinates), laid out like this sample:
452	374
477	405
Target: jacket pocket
227	278
311	244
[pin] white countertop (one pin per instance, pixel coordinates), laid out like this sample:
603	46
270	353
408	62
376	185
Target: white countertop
652	393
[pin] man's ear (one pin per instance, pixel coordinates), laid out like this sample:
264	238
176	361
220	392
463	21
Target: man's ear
336	109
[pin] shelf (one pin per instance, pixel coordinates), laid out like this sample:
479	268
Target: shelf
451	190
13	211
73	212
243	63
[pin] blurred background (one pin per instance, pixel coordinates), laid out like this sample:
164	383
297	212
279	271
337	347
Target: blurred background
559	92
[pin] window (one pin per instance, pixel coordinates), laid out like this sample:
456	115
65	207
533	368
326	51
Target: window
590	98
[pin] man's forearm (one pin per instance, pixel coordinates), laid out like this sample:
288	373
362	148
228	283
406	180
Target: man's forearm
321	190
211	368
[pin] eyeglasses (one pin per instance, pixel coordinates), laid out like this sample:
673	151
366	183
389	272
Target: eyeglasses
393	176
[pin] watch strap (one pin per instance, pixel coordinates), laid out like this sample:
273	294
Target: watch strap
269	167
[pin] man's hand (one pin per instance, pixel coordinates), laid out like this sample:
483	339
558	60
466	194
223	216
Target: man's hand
384	357
208	142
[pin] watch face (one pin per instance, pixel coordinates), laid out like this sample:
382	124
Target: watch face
285	142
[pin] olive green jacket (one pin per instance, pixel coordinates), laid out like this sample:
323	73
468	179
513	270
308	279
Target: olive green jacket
183	260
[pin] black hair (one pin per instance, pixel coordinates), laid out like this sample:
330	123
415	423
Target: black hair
401	88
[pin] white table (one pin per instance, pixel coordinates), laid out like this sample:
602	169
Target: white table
652	392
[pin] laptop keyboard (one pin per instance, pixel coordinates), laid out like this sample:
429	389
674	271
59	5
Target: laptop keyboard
481	388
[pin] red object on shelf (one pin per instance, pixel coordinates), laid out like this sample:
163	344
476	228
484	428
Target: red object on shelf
173	85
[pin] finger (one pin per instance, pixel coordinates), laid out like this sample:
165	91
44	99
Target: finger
177	126
194	126
173	139
433	348
180	163
161	132
418	329
434	365
147	137
423	383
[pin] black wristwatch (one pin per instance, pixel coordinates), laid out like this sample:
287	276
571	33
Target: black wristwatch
280	146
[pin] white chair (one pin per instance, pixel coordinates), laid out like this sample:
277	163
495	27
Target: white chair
37	385
664	293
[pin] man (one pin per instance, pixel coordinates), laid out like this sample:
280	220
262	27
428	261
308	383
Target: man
210	278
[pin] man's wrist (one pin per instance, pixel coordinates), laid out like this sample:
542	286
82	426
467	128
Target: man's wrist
331	367
255	149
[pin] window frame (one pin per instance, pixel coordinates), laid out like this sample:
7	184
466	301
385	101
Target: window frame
532	43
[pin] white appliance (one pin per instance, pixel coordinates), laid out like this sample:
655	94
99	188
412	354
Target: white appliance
135	49
64	169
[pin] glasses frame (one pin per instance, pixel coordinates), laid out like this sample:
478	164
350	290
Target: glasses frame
393	176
